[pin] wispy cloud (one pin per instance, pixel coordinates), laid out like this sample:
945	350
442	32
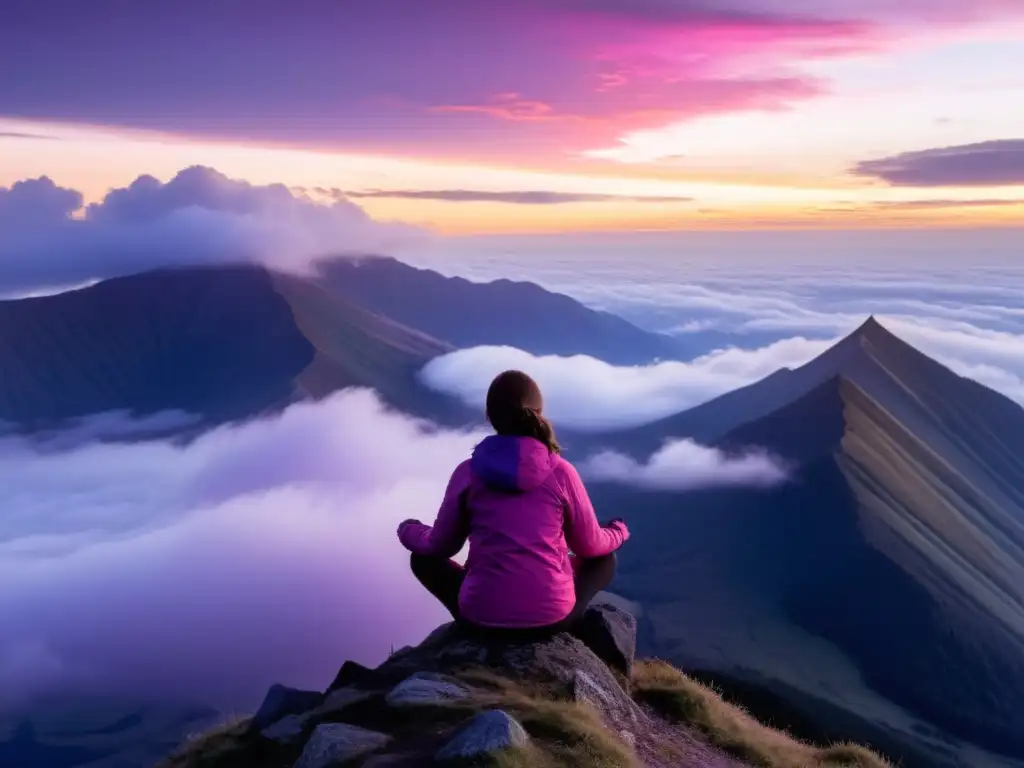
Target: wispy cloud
683	465
480	79
988	163
516	197
913	205
21	135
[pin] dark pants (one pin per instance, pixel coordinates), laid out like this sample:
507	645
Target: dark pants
443	579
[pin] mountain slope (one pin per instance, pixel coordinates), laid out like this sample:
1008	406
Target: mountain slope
870	351
223	342
882	589
501	312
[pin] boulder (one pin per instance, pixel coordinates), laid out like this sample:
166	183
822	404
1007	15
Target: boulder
352	673
341	698
333	743
489	732
609	632
425	688
555	661
281	701
287	730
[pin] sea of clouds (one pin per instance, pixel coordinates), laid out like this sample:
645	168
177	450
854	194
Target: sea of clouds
257	553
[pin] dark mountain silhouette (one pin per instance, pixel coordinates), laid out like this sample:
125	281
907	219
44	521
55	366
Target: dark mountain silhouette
882	589
502	312
224	343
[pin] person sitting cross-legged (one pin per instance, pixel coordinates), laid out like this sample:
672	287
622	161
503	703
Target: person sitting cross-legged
522	507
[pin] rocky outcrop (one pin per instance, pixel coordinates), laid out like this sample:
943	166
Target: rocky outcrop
487	733
563	663
281	701
424	688
610	632
335	743
457	697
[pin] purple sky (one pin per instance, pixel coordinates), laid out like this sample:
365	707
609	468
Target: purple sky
431	77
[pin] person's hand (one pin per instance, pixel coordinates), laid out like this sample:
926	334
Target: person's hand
410	521
612	522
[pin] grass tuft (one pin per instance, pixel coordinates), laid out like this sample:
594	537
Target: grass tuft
681	699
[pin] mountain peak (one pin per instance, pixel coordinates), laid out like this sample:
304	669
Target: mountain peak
871	330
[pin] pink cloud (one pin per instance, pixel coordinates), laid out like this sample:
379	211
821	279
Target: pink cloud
509	106
451	77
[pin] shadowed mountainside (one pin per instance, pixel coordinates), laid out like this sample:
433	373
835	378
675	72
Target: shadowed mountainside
883	587
502	312
224	343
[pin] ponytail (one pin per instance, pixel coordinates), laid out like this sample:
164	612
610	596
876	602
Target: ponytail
540	428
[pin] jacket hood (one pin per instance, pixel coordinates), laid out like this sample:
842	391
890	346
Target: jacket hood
512	463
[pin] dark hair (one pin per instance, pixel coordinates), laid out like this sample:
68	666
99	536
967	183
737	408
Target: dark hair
515	407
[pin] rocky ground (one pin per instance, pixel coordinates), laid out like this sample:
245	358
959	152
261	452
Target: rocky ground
571	700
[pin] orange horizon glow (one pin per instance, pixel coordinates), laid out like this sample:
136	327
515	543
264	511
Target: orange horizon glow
94	159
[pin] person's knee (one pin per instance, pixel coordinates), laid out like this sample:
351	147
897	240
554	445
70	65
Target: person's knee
609	562
419	563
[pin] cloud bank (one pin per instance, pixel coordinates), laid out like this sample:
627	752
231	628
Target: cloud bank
587	394
198	217
257	553
683	465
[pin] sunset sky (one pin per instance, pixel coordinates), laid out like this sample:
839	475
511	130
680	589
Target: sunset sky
537	115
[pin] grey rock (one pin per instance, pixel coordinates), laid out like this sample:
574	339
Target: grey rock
605	700
610	633
487	733
287	730
281	701
629	738
556	659
340	699
584	689
425	688
336	742
353	673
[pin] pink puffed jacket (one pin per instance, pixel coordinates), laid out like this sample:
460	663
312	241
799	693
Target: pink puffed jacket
522	508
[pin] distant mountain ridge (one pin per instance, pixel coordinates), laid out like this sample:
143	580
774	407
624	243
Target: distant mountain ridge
882	589
501	312
223	342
